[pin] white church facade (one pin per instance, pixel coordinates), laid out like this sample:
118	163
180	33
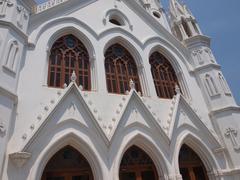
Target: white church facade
112	90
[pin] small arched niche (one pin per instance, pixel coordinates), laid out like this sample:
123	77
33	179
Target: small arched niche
137	165
117	18
67	164
190	165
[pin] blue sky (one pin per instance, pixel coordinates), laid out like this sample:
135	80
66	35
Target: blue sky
219	19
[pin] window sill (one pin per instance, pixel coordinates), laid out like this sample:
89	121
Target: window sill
9	70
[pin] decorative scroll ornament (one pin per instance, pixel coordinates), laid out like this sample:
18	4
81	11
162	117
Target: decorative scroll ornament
3	6
20	158
131	84
232	134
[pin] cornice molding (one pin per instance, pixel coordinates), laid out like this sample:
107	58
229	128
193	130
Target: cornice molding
15	29
225	109
206	66
196	40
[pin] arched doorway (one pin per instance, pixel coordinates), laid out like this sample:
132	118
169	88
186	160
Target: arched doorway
67	164
137	165
191	166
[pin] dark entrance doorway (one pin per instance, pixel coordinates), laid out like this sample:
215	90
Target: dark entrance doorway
137	165
67	164
191	166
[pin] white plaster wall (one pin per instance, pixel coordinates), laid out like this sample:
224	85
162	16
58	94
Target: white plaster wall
36	100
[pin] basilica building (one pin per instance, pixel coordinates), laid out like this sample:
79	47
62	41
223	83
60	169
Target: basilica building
112	90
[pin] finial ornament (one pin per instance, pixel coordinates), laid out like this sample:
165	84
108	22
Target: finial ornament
177	89
65	85
131	84
73	77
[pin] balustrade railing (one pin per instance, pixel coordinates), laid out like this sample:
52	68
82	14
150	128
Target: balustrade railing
47	5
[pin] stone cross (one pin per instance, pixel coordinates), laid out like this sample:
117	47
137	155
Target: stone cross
3	6
232	133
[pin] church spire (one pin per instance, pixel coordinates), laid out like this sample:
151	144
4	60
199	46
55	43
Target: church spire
183	23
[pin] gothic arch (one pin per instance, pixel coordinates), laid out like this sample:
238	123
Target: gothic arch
200	148
72	30
179	50
125	43
76	142
175	65
86	42
145	143
136	56
35	36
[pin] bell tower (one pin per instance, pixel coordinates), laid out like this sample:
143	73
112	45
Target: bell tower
222	107
14	16
208	73
183	23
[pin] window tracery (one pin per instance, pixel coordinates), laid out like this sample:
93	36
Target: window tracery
120	68
68	54
165	79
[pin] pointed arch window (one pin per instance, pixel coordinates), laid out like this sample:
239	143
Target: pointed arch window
12	55
68	54
120	68
165	79
224	84
210	85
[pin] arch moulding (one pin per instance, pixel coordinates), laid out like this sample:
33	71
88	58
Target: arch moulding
76	142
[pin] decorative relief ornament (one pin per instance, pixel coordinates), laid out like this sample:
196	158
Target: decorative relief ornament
177	89
131	84
22	14
232	134
20	158
198	54
2	128
3	6
73	77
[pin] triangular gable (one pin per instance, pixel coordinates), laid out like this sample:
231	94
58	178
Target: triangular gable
137	113
76	95
183	114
